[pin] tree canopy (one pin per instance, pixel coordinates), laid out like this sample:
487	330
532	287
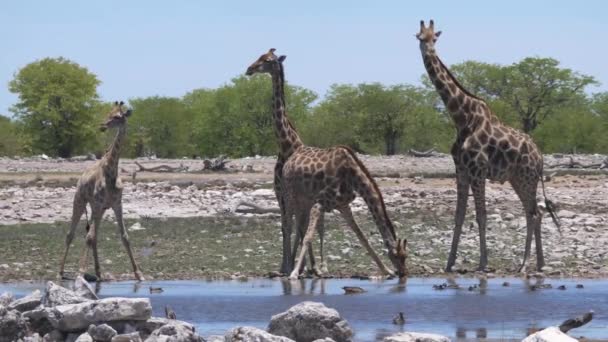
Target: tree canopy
57	103
58	113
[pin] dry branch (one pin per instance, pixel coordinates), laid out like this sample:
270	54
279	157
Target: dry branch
421	154
162	168
254	209
572	164
579	321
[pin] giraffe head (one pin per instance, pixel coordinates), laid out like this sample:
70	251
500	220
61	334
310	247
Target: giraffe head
266	63
116	117
398	255
427	35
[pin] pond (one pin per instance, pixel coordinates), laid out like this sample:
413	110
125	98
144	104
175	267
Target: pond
490	311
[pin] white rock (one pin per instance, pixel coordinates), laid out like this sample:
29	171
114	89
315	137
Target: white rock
415	337
551	334
309	321
566	214
26	303
251	334
174	332
77	317
84	338
135	227
102	332
57	295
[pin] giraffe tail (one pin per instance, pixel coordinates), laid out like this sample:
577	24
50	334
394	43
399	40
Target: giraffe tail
550	206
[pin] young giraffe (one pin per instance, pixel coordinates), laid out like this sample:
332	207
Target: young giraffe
315	181
485	148
101	187
289	141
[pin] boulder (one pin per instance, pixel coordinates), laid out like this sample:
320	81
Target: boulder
132	337
102	332
251	334
12	325
34	338
57	295
309	321
551	334
327	339
415	337
215	338
6	298
174	332
39	319
26	303
154	323
78	317
84	338
84	289
55	336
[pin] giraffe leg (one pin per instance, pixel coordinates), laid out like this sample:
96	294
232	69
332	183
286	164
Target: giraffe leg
91	243
527	195
350	220
301	225
315	214
124	236
323	269
479	193
286	262
78	209
462	187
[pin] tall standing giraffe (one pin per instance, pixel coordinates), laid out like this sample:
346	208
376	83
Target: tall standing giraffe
485	148
101	187
289	141
314	181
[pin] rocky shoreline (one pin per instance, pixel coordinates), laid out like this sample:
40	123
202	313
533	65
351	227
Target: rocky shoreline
76	314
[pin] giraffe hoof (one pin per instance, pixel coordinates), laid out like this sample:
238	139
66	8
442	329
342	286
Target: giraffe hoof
139	276
294	276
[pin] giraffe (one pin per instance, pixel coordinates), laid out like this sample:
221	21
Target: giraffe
101	187
315	181
485	148
289	141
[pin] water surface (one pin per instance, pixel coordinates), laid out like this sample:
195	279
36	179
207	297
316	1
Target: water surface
493	312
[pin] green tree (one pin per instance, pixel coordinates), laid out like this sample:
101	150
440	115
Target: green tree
161	126
236	119
529	91
56	107
9	138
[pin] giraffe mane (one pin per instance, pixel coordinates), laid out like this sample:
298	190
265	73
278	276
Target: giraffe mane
458	84
374	186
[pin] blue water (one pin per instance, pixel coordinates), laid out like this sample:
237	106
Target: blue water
494	312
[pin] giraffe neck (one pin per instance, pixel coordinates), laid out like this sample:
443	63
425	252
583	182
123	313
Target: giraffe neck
113	154
460	103
289	140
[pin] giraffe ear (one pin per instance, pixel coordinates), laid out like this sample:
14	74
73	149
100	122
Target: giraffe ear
282	58
437	34
128	113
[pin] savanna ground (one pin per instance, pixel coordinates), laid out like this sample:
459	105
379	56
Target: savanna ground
190	228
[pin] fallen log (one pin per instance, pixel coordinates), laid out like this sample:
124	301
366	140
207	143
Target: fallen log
576	322
572	164
162	168
216	164
421	154
254	209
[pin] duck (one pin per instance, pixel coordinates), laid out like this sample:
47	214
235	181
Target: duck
156	289
399	319
353	290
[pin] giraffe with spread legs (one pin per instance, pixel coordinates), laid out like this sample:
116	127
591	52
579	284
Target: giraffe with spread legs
289	141
315	181
485	148
101	188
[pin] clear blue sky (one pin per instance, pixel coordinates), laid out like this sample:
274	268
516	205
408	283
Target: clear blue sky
145	48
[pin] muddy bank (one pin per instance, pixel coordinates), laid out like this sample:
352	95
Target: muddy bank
185	222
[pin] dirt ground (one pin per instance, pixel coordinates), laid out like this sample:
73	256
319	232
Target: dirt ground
189	219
